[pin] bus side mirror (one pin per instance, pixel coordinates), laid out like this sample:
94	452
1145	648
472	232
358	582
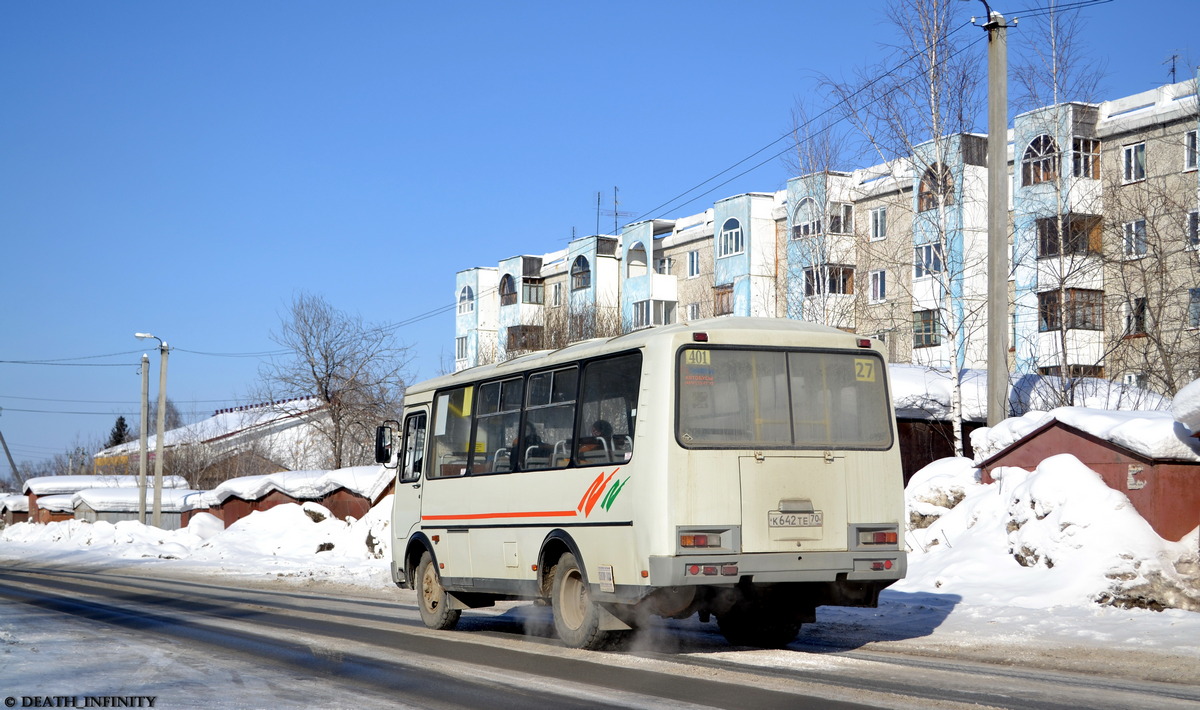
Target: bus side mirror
383	444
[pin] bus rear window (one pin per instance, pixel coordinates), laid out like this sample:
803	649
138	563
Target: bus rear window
807	399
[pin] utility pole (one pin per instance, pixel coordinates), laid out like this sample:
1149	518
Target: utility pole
997	350
160	443
160	439
11	463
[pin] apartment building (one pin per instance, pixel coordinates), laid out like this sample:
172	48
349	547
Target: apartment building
1104	233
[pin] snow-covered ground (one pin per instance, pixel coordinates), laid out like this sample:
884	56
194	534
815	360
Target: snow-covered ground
1047	557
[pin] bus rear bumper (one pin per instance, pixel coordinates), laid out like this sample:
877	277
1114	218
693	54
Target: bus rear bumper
778	567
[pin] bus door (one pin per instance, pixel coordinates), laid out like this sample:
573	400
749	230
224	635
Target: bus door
406	511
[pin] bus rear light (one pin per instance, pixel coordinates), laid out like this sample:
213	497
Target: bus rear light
700	540
729	570
864	342
700	337
712	570
881	566
877	538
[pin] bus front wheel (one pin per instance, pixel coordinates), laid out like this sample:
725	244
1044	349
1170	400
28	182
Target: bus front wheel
576	616
432	599
759	625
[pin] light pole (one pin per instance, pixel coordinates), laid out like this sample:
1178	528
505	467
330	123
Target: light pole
160	448
145	427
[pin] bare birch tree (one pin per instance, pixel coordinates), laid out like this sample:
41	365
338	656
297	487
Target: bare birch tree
356	371
917	106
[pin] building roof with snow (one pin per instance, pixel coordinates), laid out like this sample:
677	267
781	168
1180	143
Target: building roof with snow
228	423
15	503
1151	434
127	500
69	485
920	392
366	481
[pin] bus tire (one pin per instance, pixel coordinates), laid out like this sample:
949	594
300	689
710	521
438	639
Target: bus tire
576	616
757	625
432	600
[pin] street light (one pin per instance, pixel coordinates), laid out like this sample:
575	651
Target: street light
159	439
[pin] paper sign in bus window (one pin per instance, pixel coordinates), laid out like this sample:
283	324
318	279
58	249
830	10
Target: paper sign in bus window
864	369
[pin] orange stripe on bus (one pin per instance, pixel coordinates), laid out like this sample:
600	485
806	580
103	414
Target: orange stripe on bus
485	516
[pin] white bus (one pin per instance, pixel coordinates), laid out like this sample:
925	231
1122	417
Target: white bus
742	468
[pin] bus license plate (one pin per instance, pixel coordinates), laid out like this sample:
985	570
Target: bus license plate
777	519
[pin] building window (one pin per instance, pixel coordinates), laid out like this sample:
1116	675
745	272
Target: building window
1133	162
581	274
1135	316
1040	162
937	184
1134	241
524	337
466	300
1194	307
926	329
1083	234
693	311
1190	151
731	240
508	290
723	300
927	260
533	290
693	264
1193	229
878	223
878	286
556	294
1073	371
841	218
663	265
1083	310
1087	158
648	313
460	348
828	278
806	220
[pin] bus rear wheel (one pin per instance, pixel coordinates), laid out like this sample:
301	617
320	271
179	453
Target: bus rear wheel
432	599
576	616
758	625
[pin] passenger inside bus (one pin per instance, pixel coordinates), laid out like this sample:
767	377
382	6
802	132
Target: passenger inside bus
600	443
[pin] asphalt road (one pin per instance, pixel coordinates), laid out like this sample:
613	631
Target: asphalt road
373	646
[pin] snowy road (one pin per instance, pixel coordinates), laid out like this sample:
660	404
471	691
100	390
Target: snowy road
223	643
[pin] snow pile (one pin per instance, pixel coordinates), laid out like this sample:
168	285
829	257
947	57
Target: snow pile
1056	536
937	488
127	539
286	540
1186	407
1151	433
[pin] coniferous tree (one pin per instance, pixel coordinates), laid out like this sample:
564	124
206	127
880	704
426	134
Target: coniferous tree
120	433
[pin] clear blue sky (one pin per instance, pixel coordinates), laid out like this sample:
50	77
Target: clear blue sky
187	168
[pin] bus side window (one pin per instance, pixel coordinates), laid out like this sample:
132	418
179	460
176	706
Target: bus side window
549	418
414	447
608	410
451	432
